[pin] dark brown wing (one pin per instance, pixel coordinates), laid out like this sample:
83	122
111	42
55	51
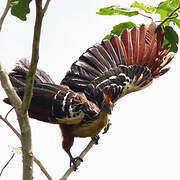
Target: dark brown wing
138	51
50	102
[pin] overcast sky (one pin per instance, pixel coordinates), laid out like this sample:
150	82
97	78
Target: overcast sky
143	141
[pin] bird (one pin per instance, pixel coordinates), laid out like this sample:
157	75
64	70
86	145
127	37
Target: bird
103	74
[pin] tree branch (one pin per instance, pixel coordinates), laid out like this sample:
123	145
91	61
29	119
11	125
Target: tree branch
23	117
23	123
83	153
146	16
4	14
42	168
11	127
6	164
46	6
34	58
21	108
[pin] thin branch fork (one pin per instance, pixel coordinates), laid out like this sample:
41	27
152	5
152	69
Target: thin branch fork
34	158
46	6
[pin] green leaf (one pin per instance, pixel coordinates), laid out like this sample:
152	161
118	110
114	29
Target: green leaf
172	37
117	10
142	6
166	8
118	29
177	21
20	8
107	128
175	3
108	36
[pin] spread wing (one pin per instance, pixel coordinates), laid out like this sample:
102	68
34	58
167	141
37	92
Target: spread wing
50	102
120	65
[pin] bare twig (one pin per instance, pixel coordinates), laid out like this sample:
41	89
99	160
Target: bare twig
146	16
6	164
4	14
8	112
83	153
35	159
11	127
42	168
169	17
46	6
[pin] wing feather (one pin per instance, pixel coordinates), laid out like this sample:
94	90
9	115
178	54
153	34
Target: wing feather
119	49
109	48
135	44
136	52
126	39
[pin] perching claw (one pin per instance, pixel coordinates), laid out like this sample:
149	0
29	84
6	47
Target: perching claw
73	161
96	139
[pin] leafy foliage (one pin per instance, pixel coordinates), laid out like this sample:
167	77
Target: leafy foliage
177	21
117	10
172	38
20	8
118	29
168	10
143	7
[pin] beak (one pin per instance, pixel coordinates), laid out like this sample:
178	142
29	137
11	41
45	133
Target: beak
107	108
107	105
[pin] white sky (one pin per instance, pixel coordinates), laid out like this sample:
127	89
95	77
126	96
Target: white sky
143	141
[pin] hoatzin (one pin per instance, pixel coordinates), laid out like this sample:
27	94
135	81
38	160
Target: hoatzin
90	89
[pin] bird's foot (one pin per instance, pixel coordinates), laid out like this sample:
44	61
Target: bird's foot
96	139
75	162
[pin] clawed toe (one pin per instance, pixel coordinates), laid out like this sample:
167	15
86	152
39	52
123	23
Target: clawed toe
73	162
96	139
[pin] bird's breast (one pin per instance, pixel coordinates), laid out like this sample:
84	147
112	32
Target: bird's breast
91	129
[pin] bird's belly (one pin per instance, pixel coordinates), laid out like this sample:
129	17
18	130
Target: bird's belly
91	129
